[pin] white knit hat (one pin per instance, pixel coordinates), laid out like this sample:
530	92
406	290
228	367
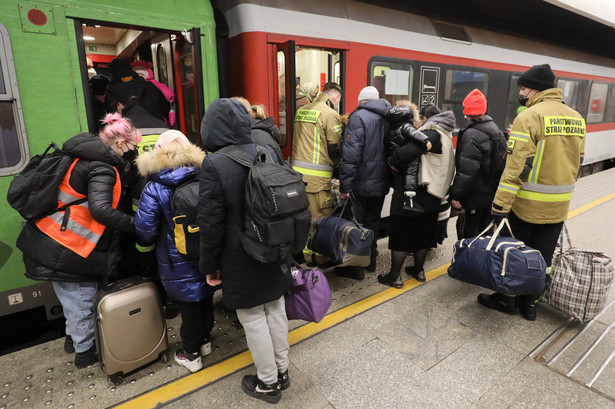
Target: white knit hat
368	92
170	137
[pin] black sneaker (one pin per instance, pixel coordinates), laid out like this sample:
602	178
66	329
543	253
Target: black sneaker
87	358
527	306
69	347
171	310
499	302
284	380
257	389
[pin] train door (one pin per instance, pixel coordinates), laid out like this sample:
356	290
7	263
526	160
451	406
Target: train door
301	73
173	60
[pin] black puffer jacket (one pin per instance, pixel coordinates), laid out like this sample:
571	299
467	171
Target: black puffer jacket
472	185
411	152
246	283
364	169
266	133
93	176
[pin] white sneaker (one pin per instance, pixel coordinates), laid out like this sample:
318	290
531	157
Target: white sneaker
206	348
191	361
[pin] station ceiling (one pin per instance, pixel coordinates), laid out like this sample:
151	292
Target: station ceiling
533	19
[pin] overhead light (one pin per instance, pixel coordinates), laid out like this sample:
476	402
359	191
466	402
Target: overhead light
90	38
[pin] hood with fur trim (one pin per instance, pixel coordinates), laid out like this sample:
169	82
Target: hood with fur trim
169	157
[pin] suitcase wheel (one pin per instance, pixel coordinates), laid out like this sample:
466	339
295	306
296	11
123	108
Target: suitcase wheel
164	358
116	379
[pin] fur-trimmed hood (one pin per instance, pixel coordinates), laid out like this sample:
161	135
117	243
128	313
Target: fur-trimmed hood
169	157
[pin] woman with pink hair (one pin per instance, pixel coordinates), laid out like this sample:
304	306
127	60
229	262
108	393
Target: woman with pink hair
76	248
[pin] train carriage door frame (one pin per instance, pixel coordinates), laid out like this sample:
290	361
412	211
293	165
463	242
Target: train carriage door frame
188	80
318	61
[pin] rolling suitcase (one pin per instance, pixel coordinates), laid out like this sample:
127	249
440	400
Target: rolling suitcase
130	327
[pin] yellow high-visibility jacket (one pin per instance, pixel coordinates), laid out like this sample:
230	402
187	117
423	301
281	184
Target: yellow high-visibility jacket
545	150
316	126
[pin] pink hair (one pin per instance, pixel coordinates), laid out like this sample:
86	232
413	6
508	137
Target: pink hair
116	127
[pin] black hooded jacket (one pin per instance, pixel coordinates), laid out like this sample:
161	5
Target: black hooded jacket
266	133
472	185
364	169
95	177
246	283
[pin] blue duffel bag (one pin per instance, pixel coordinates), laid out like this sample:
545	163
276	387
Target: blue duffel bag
500	263
344	241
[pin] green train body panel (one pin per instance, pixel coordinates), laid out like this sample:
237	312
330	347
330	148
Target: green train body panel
48	70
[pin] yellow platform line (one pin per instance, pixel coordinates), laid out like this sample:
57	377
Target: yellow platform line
198	380
191	383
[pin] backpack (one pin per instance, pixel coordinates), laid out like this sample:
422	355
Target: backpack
34	192
277	216
498	158
184	208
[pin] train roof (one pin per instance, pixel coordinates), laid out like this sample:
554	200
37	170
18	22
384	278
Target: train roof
502	24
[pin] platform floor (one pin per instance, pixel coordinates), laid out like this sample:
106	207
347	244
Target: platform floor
429	345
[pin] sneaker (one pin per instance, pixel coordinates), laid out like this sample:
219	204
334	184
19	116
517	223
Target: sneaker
387	279
87	358
527	306
499	302
191	361
69	347
284	380
206	347
257	389
355	273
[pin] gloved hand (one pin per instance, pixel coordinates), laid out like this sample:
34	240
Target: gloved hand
497	217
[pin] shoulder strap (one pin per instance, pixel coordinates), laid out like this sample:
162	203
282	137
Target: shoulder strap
236	154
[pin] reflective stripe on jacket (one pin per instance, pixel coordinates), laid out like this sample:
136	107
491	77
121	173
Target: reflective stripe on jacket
317	125
545	151
81	232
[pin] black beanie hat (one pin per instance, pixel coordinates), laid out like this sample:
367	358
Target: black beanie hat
539	77
120	67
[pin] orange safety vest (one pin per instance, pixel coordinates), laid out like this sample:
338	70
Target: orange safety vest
74	227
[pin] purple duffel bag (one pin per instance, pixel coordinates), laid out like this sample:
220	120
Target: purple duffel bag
309	298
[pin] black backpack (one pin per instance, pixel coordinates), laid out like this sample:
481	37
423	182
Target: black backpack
34	192
184	208
498	158
277	216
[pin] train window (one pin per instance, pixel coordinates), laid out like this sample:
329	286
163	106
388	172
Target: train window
597	102
570	92
282	96
393	80
459	84
13	149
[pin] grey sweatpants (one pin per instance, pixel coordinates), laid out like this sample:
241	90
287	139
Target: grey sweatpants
266	328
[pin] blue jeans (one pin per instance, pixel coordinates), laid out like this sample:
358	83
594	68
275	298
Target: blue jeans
77	301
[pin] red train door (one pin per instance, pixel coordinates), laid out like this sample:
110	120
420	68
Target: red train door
301	68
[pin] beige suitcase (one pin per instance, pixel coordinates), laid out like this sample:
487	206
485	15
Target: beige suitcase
130	327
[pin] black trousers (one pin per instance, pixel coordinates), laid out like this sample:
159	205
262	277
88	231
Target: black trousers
542	237
197	322
474	222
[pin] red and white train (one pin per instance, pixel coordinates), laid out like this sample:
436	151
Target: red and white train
272	47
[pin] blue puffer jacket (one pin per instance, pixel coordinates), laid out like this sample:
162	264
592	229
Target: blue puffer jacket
364	169
166	168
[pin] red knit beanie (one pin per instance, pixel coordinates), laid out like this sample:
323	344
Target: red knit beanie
475	103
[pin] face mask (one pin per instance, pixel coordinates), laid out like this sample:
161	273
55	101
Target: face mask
522	99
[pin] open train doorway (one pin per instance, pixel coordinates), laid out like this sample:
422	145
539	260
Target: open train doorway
301	74
168	60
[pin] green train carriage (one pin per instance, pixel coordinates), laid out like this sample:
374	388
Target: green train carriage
44	97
